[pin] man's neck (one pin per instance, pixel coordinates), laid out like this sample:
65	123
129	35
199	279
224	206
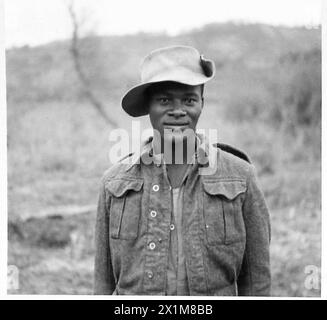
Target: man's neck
176	151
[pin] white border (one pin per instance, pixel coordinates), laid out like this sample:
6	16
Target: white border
3	195
3	159
324	154
161	299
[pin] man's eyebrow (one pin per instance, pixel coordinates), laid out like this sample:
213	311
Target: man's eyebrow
192	94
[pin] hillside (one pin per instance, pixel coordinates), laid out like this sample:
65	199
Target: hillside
46	73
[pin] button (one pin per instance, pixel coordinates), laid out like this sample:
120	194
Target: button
155	188
172	226
169	187
207	226
152	245
153	214
150	274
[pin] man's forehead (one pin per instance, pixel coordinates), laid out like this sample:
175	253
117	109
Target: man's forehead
171	87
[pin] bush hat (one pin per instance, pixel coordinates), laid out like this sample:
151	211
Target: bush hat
180	64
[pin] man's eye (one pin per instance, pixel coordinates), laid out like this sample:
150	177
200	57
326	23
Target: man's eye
190	101
163	100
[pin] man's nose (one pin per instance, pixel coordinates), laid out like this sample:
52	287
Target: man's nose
177	111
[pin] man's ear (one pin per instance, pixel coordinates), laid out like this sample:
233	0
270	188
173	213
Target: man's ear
202	95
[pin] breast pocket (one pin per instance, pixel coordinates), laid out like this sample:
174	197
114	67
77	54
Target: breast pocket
125	208
222	211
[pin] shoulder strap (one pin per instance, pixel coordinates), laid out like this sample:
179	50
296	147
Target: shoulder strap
125	157
232	150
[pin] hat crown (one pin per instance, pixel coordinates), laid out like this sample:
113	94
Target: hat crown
181	64
175	58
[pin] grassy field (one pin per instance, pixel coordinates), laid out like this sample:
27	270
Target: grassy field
265	99
60	163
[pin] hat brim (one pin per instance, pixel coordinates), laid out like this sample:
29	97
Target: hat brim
134	101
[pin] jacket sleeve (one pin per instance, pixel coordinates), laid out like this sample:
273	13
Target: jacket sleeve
254	278
103	275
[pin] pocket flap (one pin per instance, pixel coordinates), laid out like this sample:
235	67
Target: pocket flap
118	187
228	189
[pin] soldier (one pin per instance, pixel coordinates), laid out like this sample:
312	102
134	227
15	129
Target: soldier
193	224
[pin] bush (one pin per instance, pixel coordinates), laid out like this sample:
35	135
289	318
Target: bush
296	86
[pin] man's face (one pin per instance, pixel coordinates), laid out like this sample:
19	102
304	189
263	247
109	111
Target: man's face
174	107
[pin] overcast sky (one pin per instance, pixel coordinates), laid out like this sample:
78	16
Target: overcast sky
36	22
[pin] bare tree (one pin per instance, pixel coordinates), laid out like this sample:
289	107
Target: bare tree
74	48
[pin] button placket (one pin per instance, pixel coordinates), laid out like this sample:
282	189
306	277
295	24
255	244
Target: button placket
152	245
157	234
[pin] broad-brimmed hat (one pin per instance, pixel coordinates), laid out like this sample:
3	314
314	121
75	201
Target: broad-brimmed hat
180	64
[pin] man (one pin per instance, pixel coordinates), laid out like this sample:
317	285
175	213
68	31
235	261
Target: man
182	217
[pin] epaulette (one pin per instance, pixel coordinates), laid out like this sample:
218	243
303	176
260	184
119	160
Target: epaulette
148	140
232	150
125	157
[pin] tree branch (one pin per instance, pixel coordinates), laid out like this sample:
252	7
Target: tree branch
79	68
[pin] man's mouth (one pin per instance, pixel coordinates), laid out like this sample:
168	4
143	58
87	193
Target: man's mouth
176	125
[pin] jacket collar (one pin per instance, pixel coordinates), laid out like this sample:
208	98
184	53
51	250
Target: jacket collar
205	156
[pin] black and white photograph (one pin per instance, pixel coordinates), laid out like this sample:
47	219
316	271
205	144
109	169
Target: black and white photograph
163	148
